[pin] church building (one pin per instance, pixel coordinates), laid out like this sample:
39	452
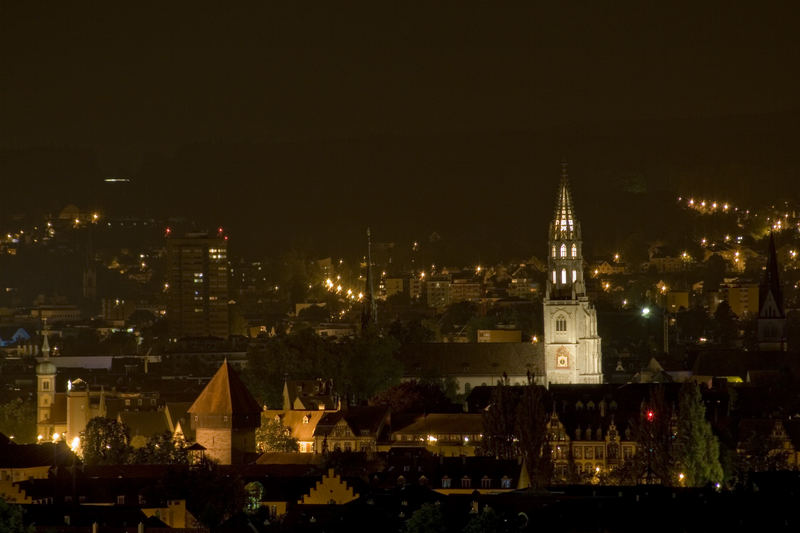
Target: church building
571	344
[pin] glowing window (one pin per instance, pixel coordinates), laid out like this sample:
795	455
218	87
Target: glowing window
563	250
563	276
574	276
554	251
554	276
574	251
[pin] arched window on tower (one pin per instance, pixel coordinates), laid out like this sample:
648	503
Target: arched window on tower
563	250
574	251
563	276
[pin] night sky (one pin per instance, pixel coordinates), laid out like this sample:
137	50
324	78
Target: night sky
299	128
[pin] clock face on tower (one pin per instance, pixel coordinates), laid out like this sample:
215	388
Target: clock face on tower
562	358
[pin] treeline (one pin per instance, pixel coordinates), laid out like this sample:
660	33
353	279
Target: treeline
359	367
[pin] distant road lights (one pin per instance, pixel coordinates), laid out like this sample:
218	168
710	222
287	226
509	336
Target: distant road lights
56	436
645	311
75	445
39	438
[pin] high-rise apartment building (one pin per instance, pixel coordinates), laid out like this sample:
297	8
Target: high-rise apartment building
197	292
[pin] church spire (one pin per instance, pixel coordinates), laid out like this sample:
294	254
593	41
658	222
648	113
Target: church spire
771	285
45	342
771	315
565	260
370	313
564	217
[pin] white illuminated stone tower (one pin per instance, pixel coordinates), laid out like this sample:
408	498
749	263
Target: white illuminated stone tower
571	345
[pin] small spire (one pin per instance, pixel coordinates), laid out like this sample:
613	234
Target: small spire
770	283
370	313
45	342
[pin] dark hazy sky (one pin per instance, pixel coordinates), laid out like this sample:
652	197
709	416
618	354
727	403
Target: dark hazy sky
328	109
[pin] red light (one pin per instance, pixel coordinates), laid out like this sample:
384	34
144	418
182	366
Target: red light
219	230
226	237
168	231
650	416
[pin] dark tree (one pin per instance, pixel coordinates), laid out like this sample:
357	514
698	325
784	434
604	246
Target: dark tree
11	519
487	521
211	495
534	445
500	423
427	519
272	436
161	449
18	419
655	432
106	442
413	397
697	448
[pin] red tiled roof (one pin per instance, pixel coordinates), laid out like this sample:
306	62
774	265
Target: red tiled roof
225	394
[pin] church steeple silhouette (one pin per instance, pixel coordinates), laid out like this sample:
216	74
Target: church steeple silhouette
369	313
771	314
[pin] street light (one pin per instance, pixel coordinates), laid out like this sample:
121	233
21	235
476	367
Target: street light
645	311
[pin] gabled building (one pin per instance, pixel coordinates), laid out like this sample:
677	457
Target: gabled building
356	429
224	417
446	434
309	394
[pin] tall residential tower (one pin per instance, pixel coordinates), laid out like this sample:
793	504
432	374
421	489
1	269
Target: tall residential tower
197	294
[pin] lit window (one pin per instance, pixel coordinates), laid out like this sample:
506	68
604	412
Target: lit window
563	276
554	251
554	276
574	276
563	250
574	251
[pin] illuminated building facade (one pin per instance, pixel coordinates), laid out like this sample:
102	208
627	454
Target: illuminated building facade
197	291
572	346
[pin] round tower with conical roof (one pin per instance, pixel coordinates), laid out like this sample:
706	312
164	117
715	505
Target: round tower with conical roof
225	417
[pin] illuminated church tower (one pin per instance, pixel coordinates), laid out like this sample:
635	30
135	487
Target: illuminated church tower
571	345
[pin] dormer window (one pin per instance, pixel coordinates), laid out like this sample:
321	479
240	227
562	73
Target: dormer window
305	419
466	482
